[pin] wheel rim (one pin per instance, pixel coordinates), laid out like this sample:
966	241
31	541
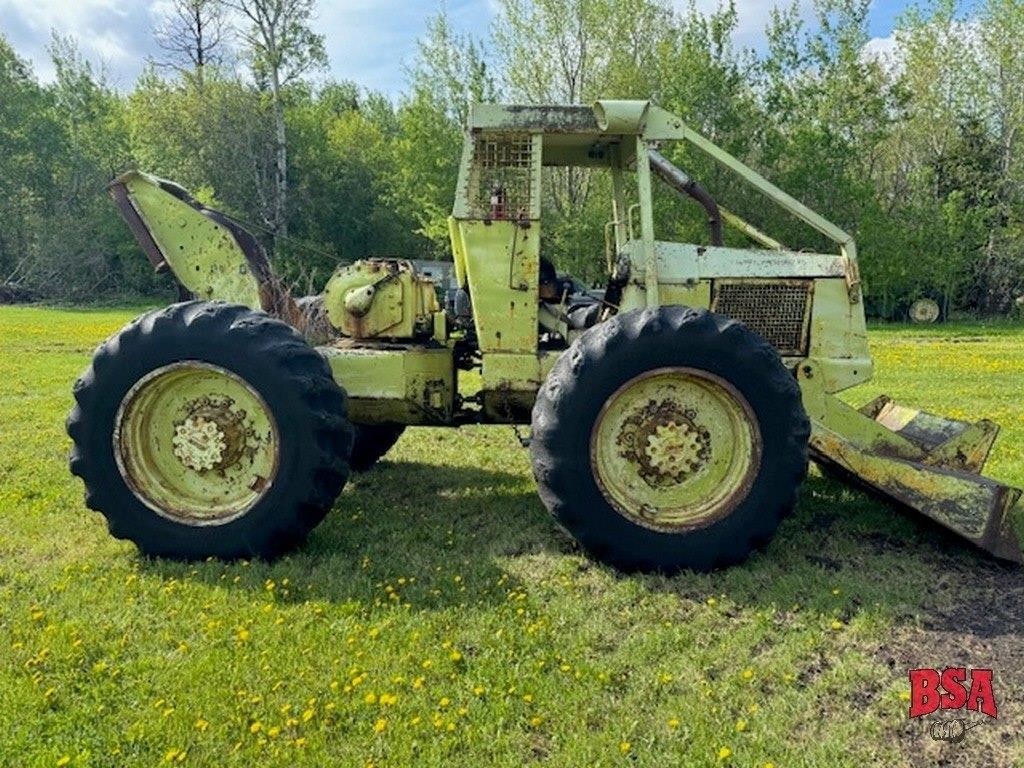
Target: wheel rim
675	449
196	443
925	311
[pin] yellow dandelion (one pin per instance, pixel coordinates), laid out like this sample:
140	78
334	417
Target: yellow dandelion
536	721
444	702
170	755
388	699
769	765
308	715
904	696
724	753
478	690
836	625
711	601
528	698
66	760
741	726
300	742
256	727
417	683
748	673
201	725
624	747
242	634
673	722
370	698
380	725
455	656
450	727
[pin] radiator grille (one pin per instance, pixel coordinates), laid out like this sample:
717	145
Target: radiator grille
778	310
504	163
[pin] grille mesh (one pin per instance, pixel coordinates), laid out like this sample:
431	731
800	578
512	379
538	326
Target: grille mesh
777	310
505	162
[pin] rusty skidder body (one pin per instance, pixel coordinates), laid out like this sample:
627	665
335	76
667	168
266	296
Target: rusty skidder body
673	414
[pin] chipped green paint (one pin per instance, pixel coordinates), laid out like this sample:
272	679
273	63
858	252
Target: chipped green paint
196	443
203	254
397	353
919	460
675	449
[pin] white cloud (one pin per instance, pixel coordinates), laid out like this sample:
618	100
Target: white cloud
43	14
884	49
114	33
368	41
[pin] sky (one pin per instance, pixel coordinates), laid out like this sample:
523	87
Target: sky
371	42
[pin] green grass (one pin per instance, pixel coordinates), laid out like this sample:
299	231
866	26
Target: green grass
438	617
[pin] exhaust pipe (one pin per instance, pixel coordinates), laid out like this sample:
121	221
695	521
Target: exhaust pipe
685	185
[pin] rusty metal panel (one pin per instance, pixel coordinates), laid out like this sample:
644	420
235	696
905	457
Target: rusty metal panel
977	508
545	118
393	382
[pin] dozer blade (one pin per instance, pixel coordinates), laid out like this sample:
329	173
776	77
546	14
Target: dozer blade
927	463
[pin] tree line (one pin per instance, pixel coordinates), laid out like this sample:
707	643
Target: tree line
915	149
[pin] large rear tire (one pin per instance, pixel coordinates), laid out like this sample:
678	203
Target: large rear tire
210	430
670	439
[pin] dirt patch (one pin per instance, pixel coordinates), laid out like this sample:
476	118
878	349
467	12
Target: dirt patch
976	620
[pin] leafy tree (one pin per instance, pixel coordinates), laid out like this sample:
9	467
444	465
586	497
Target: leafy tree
32	145
282	48
450	73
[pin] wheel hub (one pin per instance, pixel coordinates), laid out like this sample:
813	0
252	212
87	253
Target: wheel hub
663	443
199	444
196	443
675	448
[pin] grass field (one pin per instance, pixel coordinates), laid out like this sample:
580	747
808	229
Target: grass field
439	618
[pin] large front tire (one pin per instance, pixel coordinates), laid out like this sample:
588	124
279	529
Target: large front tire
210	430
670	439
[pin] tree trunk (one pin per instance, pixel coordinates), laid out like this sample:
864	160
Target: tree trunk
280	203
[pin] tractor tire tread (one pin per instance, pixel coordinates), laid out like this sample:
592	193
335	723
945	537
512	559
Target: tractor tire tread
299	376
565	480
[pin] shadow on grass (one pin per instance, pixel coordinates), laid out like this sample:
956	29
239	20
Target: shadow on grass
443	531
880	558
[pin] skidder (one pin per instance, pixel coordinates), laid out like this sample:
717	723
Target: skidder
673	412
